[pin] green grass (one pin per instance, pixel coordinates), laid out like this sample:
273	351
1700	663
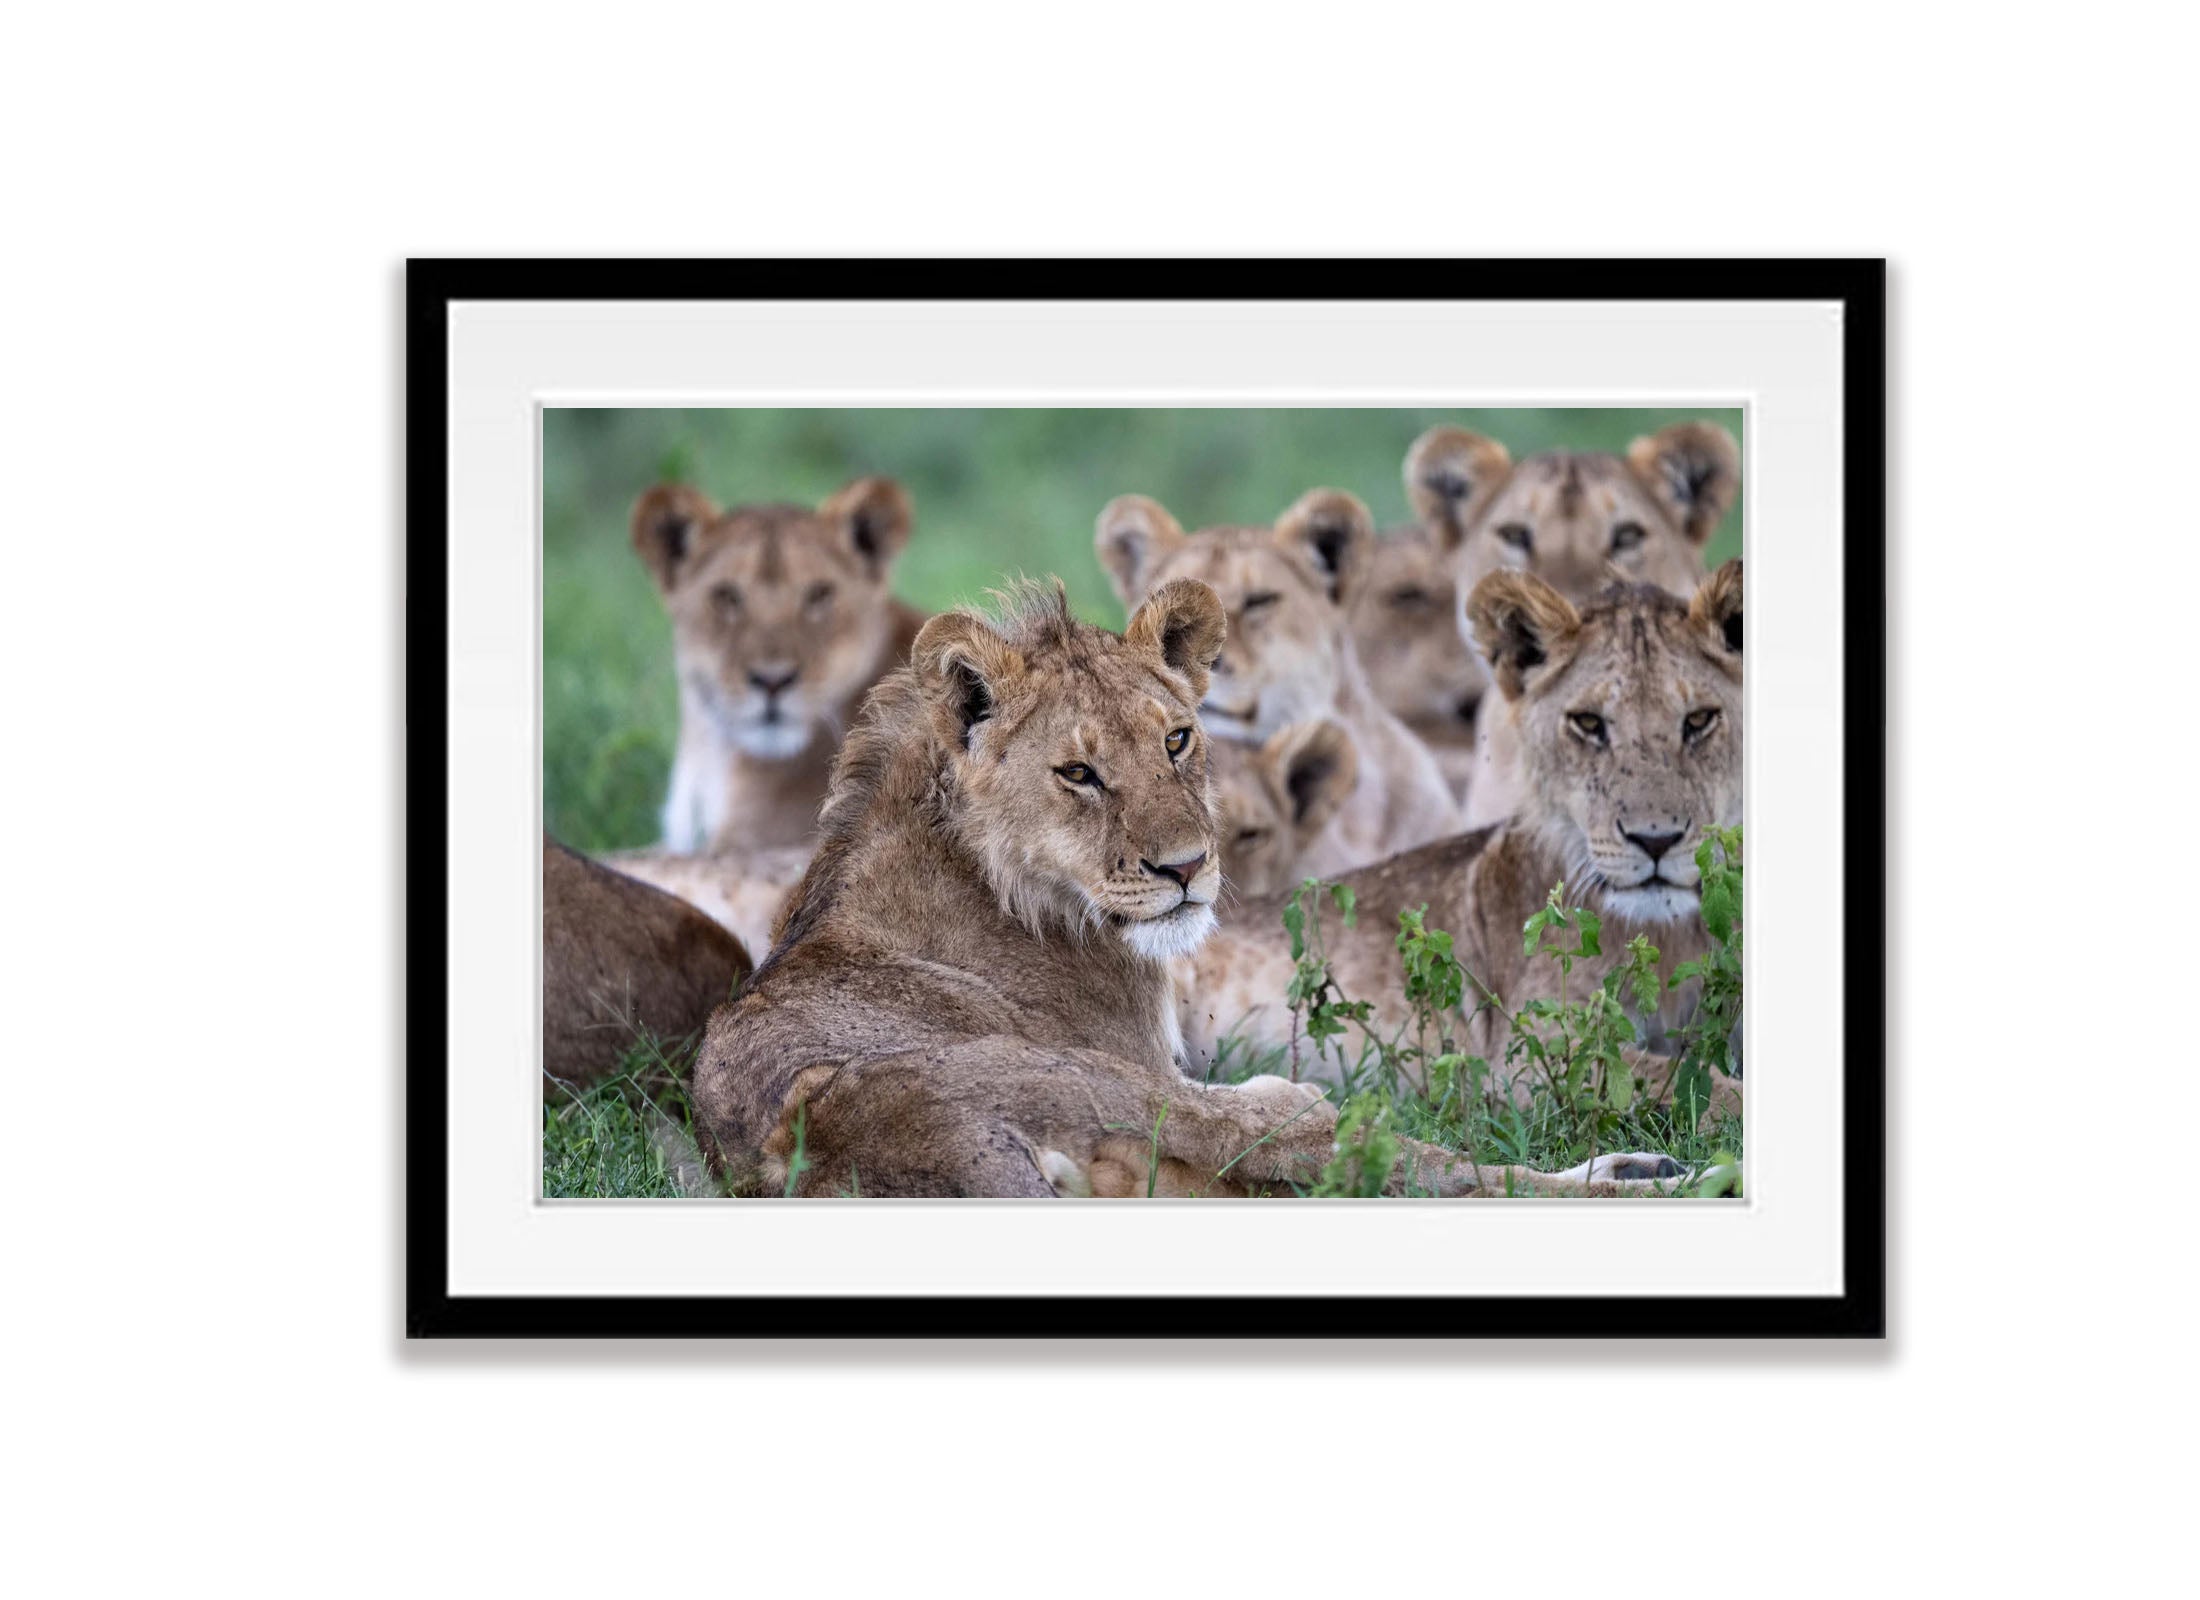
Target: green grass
997	492
1536	1135
621	1137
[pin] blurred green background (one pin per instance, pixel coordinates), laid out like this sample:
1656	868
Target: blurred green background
997	492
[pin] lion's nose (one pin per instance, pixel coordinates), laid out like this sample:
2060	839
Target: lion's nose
773	678
1654	845
1183	871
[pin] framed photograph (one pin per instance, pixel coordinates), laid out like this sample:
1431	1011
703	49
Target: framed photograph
898	746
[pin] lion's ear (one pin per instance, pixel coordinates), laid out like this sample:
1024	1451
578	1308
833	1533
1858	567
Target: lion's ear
667	525
1716	607
1312	767
1693	470
963	669
1333	532
1451	478
874	516
1183	623
1523	627
1132	537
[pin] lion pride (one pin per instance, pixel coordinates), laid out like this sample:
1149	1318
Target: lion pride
970	994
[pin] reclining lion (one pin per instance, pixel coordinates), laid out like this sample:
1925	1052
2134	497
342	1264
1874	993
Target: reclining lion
622	962
970	992
1628	715
743	891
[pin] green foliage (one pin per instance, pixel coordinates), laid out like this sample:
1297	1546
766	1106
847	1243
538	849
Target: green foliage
1578	1047
1316	1002
1572	1052
616	1138
799	1162
1705	1038
1367	1149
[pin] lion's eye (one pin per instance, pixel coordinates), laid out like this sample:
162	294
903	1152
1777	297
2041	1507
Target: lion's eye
1588	724
1261	600
727	597
1626	536
820	595
1698	723
1411	595
1517	535
1177	740
1080	774
1251	835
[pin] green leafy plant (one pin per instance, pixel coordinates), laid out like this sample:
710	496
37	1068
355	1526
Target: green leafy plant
1578	1047
1706	1036
1366	1149
1574	1081
1318	1005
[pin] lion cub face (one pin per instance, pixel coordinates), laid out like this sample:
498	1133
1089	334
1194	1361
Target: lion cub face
1578	520
1406	628
778	614
1077	764
1629	712
1283	590
1273	800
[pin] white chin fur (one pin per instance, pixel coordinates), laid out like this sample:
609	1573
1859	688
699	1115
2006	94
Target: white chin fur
772	741
1652	902
1177	934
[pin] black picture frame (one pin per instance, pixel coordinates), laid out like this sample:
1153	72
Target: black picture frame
432	286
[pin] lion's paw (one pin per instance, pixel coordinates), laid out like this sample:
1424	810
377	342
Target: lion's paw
1281	1094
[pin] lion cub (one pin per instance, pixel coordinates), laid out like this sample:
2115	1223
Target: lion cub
781	623
1275	799
1628	713
1405	626
1579	520
970	995
1286	591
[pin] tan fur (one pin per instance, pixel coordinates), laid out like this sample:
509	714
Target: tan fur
1638	658
1579	520
1287	591
1275	800
743	891
781	622
1406	631
969	996
621	959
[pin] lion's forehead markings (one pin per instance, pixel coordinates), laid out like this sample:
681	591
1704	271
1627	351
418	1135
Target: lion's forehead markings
1234	562
771	561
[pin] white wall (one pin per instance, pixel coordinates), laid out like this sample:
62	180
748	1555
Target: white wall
208	214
